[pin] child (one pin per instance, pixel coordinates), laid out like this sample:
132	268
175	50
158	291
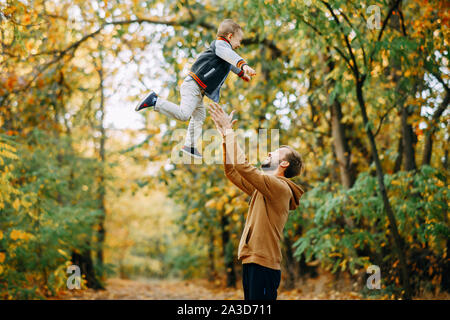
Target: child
206	77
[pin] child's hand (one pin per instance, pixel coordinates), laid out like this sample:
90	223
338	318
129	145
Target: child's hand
249	71
246	78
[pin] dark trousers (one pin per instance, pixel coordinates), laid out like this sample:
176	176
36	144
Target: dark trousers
260	283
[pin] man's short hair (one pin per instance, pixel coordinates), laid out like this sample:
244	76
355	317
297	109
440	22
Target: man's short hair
228	26
295	163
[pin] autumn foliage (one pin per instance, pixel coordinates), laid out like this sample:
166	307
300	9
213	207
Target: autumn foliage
366	106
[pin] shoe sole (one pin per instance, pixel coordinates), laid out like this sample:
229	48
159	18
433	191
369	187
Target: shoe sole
140	102
192	155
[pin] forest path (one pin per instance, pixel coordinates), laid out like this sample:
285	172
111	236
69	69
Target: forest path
150	289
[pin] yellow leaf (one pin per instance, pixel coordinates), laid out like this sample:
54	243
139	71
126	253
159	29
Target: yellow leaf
210	203
16	204
63	253
17	234
219	205
440	183
14	235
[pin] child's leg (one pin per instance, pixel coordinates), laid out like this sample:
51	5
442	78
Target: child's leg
194	130
191	96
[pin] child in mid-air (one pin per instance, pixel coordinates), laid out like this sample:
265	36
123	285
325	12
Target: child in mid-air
206	77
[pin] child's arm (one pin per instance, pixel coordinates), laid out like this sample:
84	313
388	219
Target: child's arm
225	52
241	74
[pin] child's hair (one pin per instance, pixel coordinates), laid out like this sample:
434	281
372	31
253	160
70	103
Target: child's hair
228	26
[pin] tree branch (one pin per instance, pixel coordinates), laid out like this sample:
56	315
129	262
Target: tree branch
72	48
359	39
386	20
426	159
349	47
321	34
382	119
441	81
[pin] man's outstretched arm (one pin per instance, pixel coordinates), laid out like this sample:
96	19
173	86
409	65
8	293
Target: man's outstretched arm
268	185
233	175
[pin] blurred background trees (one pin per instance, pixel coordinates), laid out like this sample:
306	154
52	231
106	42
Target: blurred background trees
364	103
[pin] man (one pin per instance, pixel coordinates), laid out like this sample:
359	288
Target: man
272	196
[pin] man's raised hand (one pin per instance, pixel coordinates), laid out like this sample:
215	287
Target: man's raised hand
222	120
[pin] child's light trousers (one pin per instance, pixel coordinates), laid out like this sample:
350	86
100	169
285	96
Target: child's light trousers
191	106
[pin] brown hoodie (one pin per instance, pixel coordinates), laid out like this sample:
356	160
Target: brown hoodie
271	199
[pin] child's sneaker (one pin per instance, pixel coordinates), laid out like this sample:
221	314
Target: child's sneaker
148	101
192	151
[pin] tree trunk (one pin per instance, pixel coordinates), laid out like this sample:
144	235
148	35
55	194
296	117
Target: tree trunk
408	136
211	265
408	141
101	189
427	151
445	281
358	143
227	251
343	154
340	141
84	262
341	149
399	159
445	160
398	241
289	264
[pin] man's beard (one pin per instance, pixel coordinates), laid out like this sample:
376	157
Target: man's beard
268	165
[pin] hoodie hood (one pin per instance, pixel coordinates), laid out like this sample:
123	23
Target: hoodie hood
296	193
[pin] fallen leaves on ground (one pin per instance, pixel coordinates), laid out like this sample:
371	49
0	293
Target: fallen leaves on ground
319	288
121	289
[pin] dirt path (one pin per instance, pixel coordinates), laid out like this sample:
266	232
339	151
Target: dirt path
144	289
119	289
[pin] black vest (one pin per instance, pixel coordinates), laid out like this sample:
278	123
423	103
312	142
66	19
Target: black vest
209	71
